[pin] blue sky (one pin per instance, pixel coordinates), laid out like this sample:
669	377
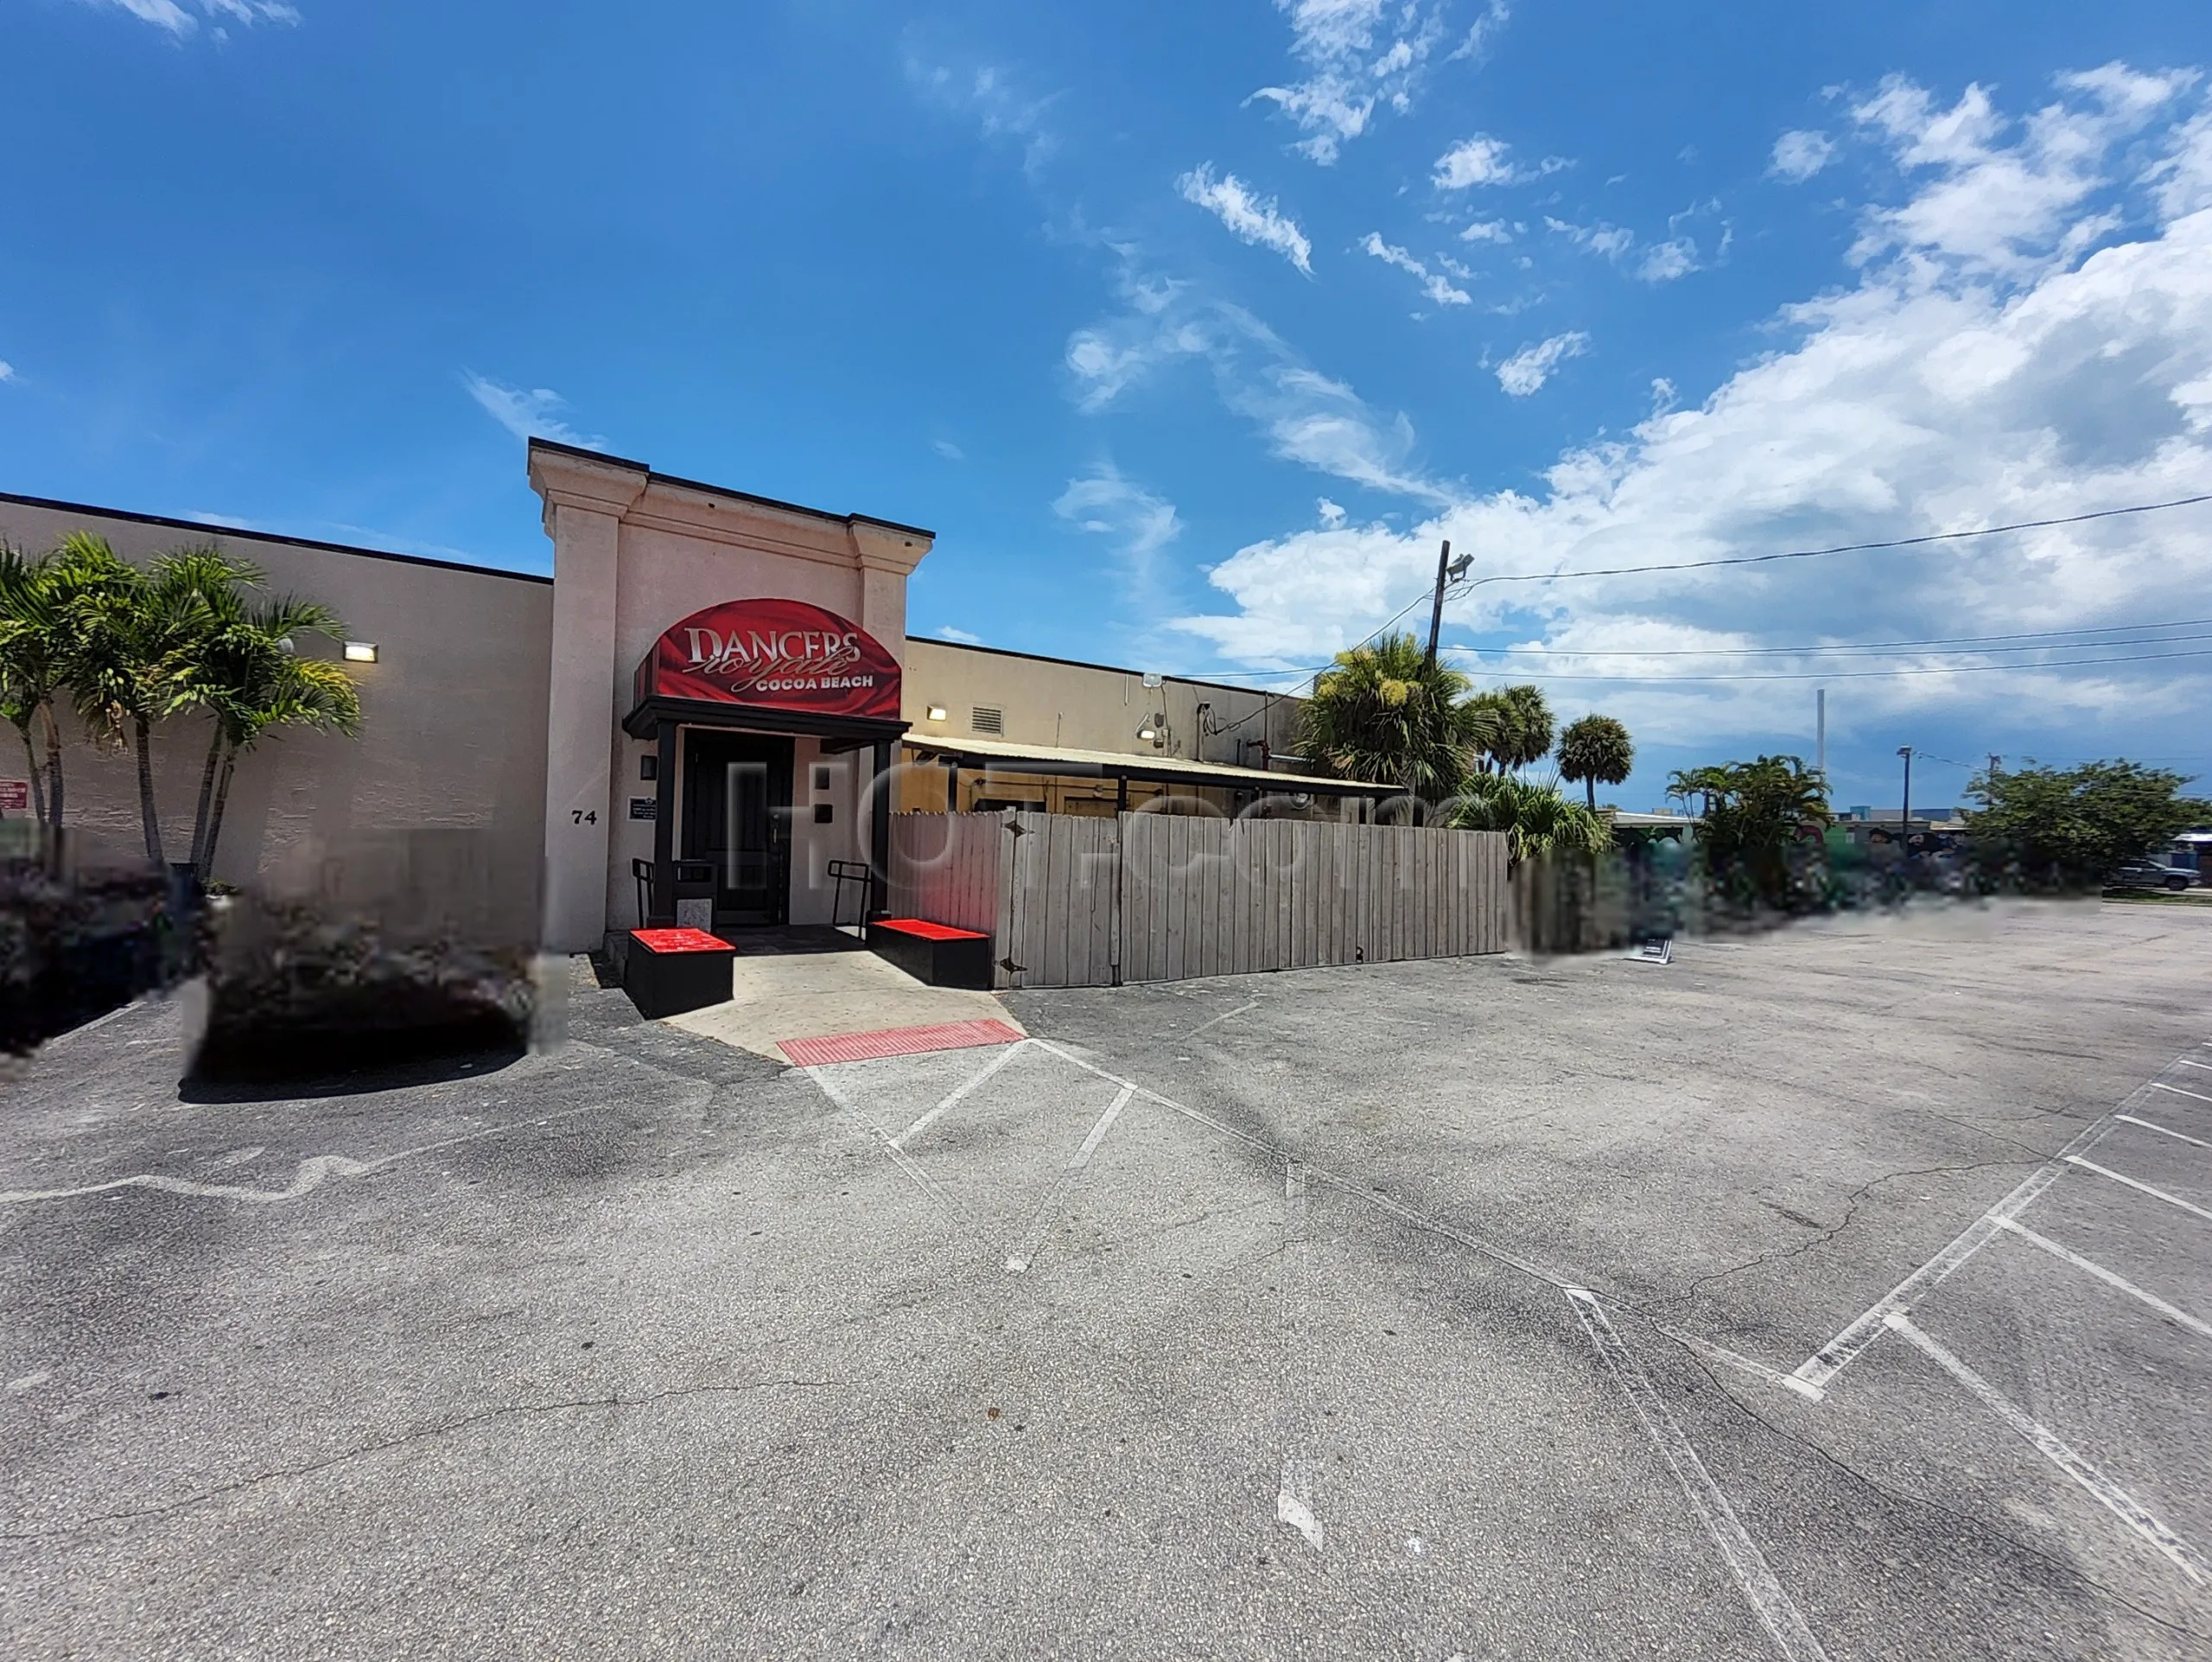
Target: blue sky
1190	330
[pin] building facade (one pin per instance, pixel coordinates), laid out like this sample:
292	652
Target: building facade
708	712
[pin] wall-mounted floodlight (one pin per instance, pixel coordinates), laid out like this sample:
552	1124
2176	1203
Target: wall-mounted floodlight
1151	677
1147	733
936	712
360	652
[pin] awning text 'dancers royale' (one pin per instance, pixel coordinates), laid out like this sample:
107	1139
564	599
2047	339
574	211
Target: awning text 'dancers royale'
780	654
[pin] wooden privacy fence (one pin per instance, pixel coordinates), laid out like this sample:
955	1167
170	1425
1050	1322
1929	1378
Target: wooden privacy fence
1073	901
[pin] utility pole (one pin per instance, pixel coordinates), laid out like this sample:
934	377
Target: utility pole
1904	813
1821	731
1446	568
1436	610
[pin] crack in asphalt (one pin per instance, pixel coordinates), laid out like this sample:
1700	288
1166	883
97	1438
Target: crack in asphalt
423	1434
1828	1233
1979	1526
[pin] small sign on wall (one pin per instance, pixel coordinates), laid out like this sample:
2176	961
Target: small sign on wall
15	796
644	807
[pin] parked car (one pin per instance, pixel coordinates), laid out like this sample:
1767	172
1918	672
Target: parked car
2149	874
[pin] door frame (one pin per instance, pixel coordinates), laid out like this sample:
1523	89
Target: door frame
777	752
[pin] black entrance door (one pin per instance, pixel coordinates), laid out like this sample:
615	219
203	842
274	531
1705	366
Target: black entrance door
737	811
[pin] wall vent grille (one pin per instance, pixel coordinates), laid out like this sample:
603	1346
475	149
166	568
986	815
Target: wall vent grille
986	719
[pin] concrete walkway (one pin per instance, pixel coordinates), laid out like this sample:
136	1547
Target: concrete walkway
810	989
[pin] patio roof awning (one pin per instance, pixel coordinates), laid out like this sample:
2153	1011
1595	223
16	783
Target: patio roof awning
1003	755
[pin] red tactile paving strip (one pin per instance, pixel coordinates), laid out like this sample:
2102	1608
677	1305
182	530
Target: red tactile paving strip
897	1042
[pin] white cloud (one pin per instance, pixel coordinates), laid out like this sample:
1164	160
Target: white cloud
1529	368
7	371
1359	55
1798	155
169	15
1659	262
1139	523
1306	417
2004	206
1432	285
948	449
1483	160
526	415
1330	513
1487	231
946	632
1250	218
1476	160
1972	378
1665	261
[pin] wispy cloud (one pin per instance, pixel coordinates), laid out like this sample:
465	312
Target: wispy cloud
1965	373
948	449
168	15
946	632
1360	55
1139	523
7	371
1799	156
1487	231
1674	256
1527	369
1306	417
990	96
1250	217
1433	285
533	414
1482	160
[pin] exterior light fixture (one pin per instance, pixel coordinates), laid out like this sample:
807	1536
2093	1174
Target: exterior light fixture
1147	733
360	652
936	712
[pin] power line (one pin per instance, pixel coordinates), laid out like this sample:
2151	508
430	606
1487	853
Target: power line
1762	559
2037	642
1854	675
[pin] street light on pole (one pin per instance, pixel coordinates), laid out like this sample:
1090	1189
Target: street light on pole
1446	568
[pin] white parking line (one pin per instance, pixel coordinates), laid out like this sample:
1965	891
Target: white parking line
1772	1604
2207	1066
1840	1352
2106	1276
1773	1375
956	1095
1071	1174
2053	1448
820	1074
2155	1194
2197	1096
2163	1132
1294	1494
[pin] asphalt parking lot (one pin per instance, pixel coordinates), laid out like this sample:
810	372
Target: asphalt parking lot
1841	1292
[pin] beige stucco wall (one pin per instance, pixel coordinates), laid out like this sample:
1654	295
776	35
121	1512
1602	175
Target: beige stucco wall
635	551
1085	707
453	711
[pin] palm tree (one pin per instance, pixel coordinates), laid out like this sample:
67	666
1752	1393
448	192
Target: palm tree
1704	783
30	651
1596	750
1537	817
41	648
1383	712
250	678
1521	719
137	636
1761	818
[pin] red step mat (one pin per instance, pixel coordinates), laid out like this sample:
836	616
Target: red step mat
897	1042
